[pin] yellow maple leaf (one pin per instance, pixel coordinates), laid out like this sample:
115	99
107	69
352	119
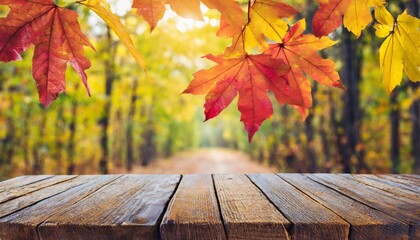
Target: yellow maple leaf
401	48
357	15
264	22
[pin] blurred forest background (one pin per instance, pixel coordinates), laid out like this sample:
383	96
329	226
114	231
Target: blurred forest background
131	120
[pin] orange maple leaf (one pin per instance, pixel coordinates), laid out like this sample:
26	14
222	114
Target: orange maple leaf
151	10
299	52
57	37
250	76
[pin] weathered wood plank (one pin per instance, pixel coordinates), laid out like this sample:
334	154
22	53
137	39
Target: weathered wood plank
387	186
366	223
62	184
402	209
402	181
193	212
131	207
310	219
127	208
412	176
351	181
246	212
21	181
37	184
23	224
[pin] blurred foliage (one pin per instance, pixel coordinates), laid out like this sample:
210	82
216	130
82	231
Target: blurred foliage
65	138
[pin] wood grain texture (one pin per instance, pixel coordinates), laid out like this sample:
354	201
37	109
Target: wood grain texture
35	185
366	223
128	208
402	209
226	206
40	193
246	212
21	181
23	223
401	181
412	176
387	186
193	212
310	219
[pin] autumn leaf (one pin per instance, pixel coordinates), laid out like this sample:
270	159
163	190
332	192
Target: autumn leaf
57	37
329	14
187	9
103	10
264	22
401	48
232	18
358	15
299	52
151	10
250	76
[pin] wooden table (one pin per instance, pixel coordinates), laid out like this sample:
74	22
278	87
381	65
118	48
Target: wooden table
252	206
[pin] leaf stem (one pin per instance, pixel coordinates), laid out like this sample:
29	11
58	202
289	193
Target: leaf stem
249	10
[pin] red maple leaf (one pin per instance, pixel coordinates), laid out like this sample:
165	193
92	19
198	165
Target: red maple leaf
57	37
329	16
250	76
299	52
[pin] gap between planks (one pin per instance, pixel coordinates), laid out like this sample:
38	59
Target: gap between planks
365	222
240	183
403	209
319	222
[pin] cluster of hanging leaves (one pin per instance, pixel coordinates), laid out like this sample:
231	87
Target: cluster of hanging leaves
401	48
266	53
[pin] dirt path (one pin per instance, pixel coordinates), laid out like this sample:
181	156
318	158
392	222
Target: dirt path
213	160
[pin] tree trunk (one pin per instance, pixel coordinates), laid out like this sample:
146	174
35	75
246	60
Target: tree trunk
336	127
60	125
359	147
71	147
310	135
25	140
289	157
118	139
274	147
39	149
168	149
395	132
351	72
414	9
130	125
326	166
109	66
415	132
148	147
273	154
